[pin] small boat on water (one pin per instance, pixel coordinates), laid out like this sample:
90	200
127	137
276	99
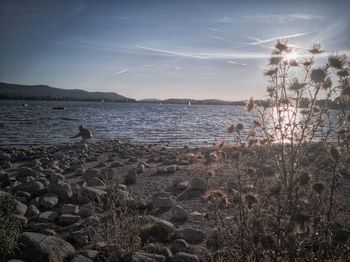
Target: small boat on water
59	108
24	105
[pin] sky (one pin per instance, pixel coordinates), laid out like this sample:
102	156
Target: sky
196	49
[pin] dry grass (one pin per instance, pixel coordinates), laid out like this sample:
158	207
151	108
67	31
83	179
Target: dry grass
10	229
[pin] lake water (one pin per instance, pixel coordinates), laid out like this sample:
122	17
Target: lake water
176	125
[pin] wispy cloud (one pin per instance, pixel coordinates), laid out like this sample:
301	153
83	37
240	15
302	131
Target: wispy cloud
120	72
236	63
214	30
272	18
218	38
260	41
170	53
208	55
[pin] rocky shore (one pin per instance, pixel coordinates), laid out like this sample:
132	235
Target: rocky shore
59	191
62	195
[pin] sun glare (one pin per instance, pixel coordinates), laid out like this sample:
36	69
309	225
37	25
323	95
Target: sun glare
291	56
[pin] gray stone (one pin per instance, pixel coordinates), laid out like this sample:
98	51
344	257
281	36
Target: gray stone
248	188
35	201
179	245
43	248
146	257
108	173
94	181
4	179
90	173
93	193
117	164
25	179
131	177
179	213
140	169
231	185
25	196
48	232
161	230
192	236
68	219
171	169
70	209
62	189
26	171
198	183
182	185
48	216
20	208
162	200
31	187
81	236
21	219
59	155
5	164
32	211
90	253
268	171
43	181
81	258
54	177
185	257
213	242
49	200
86	210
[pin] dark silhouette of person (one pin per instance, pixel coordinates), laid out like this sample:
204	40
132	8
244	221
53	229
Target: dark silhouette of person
84	132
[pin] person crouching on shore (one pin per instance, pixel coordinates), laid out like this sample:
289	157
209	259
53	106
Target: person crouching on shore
84	132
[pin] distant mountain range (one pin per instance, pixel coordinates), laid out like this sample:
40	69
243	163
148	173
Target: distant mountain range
44	92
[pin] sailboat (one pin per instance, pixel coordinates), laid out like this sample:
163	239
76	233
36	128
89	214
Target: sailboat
189	103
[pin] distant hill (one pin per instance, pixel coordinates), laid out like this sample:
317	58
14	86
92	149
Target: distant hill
194	101
44	92
150	100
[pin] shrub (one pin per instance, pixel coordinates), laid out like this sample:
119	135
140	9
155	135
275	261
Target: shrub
295	209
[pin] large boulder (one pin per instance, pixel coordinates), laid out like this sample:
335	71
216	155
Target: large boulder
30	187
62	189
161	230
26	171
43	248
